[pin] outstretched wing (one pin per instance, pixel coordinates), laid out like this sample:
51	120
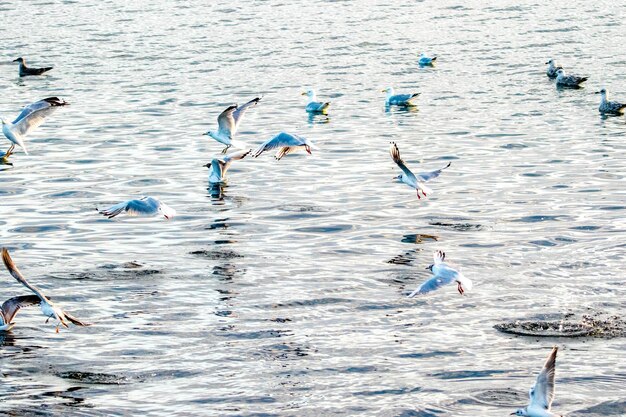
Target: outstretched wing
12	268
542	393
11	306
433	283
282	140
429	175
240	111
226	121
395	155
74	320
34	114
234	156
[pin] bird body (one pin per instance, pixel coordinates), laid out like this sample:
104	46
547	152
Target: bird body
29	119
399	99
25	70
610	107
48	308
552	68
425	60
228	122
314	106
286	144
219	166
443	274
541	394
409	178
570	81
145	206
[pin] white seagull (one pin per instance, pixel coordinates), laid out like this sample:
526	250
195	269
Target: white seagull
542	393
29	119
219	166
48	308
399	99
552	68
410	179
25	70
443	274
145	206
612	107
425	60
314	106
287	143
228	123
571	81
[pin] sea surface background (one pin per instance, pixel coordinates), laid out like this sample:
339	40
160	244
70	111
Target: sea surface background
284	293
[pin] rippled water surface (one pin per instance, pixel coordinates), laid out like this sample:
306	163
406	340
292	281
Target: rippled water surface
285	293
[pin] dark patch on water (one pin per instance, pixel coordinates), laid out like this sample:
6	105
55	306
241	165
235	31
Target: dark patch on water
216	254
608	408
418	238
397	391
315	302
283	351
421	355
497	397
403	259
467	374
539	218
461	227
420	413
325	229
588	326
261	334
94	378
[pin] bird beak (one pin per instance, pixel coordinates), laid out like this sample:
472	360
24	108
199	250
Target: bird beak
546	64
429	269
513	414
207	165
15	60
205	134
597	92
383	91
303	94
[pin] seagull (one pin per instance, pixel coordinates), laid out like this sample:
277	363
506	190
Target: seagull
444	274
219	166
29	119
287	143
552	68
145	206
542	393
315	106
48	308
24	70
571	81
607	106
409	178
425	60
228	123
10	307
399	99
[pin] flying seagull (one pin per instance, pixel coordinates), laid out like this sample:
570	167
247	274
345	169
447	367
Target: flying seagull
314	106
10	307
219	166
24	70
228	123
287	143
29	119
552	68
425	60
145	206
407	177
611	107
542	393
48	308
443	274
570	81
399	99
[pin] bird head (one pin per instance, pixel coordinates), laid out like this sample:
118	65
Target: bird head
560	71
308	93
550	62
397	178
210	133
520	412
603	92
20	60
166	211
430	267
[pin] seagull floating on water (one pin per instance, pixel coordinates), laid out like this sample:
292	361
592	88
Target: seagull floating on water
287	143
228	123
48	308
145	206
542	393
29	119
410	179
612	107
314	106
219	166
443	274
25	71
552	68
425	60
399	99
570	81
